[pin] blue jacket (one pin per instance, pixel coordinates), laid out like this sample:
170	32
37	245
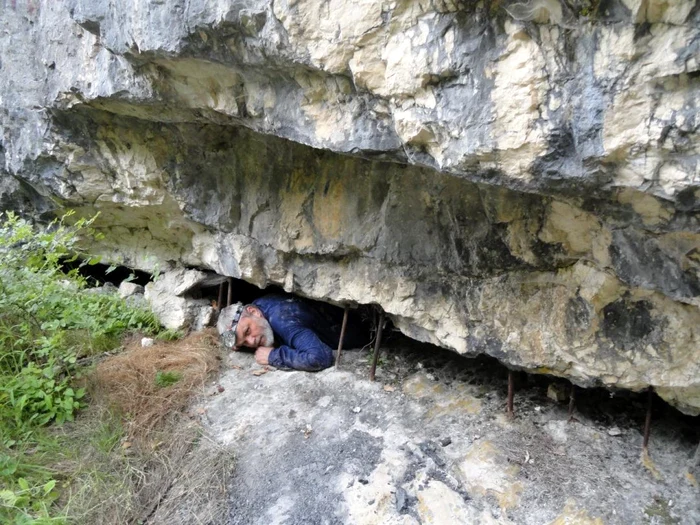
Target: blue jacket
307	330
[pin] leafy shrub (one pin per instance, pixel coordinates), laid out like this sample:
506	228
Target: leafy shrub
48	320
26	501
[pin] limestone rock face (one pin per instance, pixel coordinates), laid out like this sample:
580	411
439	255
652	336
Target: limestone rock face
516	179
173	300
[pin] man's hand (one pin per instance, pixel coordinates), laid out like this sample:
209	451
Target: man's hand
261	355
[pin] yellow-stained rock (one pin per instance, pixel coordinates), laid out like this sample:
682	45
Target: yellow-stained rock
573	515
486	472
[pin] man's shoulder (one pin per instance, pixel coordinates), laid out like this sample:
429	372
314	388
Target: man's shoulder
274	301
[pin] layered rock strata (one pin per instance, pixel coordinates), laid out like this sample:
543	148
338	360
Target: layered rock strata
520	180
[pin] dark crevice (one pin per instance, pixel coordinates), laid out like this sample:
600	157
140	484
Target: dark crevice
620	408
99	274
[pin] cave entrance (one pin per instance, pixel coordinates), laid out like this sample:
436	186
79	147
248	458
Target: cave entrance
538	397
216	290
224	290
100	274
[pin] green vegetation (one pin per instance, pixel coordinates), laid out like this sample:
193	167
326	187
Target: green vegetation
170	335
49	322
164	379
589	8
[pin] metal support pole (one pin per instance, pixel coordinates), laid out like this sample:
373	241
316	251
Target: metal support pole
647	422
511	393
572	402
230	291
695	462
380	327
342	335
219	303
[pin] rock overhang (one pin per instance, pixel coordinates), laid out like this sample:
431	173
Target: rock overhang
534	211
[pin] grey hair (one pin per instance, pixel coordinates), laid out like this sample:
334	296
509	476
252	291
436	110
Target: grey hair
245	313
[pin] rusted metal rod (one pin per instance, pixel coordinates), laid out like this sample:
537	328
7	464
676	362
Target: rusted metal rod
219	303
511	393
230	291
380	327
647	422
572	401
342	335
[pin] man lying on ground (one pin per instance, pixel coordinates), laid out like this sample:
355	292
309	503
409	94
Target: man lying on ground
306	331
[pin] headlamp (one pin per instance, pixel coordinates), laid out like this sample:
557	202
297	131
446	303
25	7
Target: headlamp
228	338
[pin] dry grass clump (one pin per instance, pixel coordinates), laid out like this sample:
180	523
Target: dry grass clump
135	455
129	383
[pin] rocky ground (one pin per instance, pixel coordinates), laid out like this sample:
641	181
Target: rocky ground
429	442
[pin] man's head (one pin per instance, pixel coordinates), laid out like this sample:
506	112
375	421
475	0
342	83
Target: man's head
252	329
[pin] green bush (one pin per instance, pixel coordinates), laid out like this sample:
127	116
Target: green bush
49	320
27	494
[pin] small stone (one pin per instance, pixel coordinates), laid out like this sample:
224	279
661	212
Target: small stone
371	502
388	388
357	410
401	500
147	341
431	377
557	392
127	289
220	388
537	409
307	431
446	441
614	431
364	481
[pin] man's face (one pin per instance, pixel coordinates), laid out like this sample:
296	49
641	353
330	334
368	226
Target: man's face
253	330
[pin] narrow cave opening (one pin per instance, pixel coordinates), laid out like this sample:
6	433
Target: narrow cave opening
99	274
536	394
540	398
241	291
245	292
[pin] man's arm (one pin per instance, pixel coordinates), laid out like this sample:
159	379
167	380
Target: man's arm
305	352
